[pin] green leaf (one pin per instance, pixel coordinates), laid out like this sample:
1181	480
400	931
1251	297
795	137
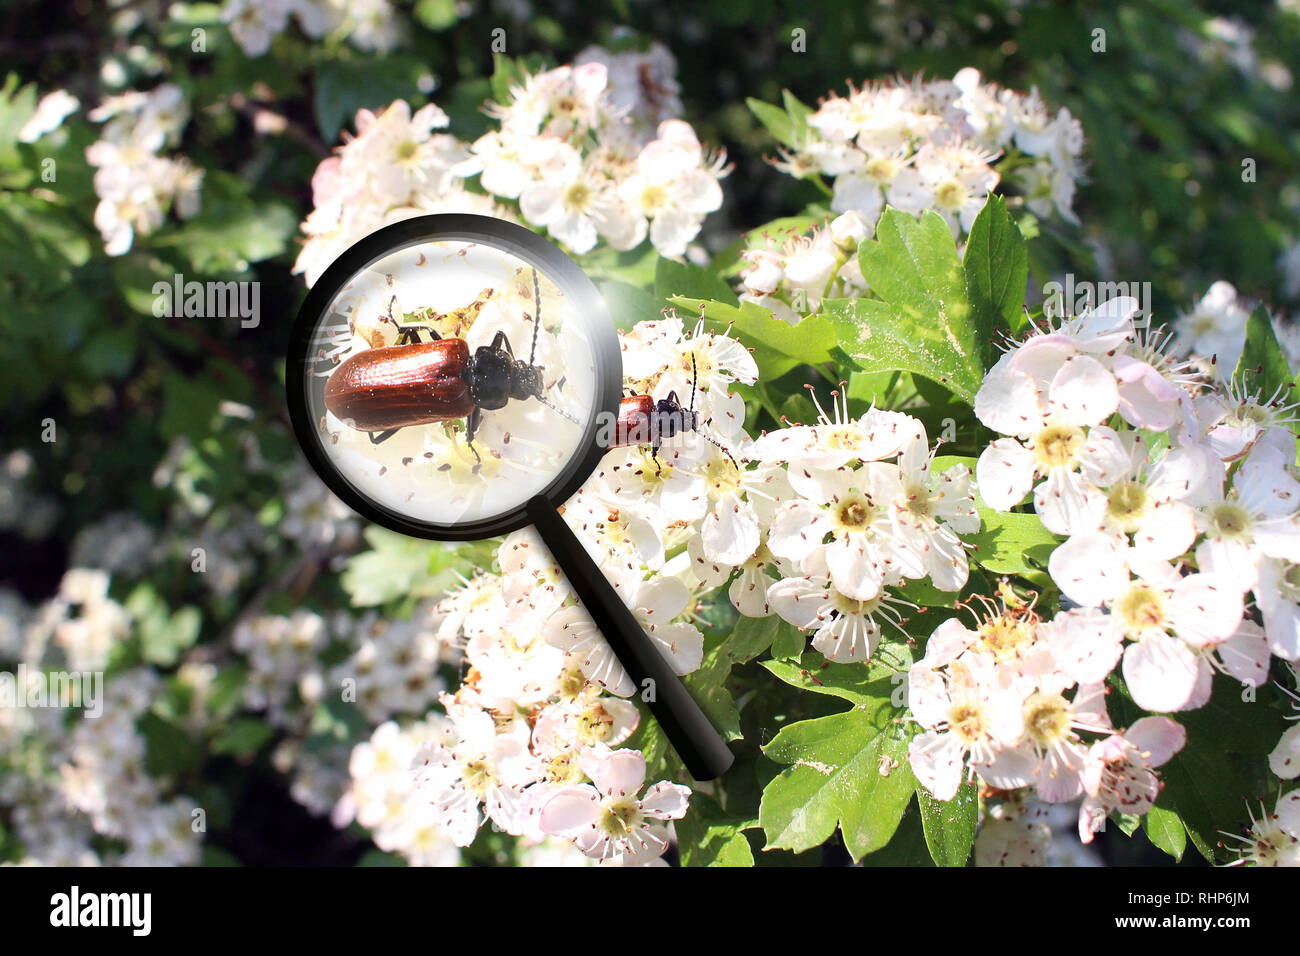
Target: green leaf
906	847
163	640
16	108
231	230
707	837
789	642
752	636
778	346
169	750
848	770
798	111
437	15
708	685
859	684
1165	830
243	737
949	824
682	279
923	322
1011	543
997	271
1263	368
776	120
345	86
400	567
1223	765
505	74
629	305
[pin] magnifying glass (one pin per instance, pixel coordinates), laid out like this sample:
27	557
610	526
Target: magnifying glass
451	377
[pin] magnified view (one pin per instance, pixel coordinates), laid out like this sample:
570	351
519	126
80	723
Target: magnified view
450	381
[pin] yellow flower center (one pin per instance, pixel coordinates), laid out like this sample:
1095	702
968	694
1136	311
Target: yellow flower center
1229	521
654	198
618	816
1047	718
950	195
967	722
1005	637
1142	608
577	196
1058	446
854	514
882	169
1127	504
477	777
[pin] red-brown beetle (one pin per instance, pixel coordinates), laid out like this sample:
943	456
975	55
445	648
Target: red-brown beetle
382	390
642	420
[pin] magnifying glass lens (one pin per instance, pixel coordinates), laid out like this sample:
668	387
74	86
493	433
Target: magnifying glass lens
452	381
450	377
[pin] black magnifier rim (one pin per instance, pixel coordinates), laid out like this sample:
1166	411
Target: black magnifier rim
584	299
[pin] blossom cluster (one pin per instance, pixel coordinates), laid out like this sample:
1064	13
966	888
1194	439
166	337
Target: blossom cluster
75	784
816	523
992	702
1176	501
933	144
937	145
1215	329
135	182
369	25
1178	506
588	151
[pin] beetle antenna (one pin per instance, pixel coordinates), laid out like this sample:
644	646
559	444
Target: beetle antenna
723	448
537	315
695	377
555	408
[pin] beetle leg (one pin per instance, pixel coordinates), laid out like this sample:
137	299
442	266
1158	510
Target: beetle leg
406	334
500	341
654	454
471	426
377	437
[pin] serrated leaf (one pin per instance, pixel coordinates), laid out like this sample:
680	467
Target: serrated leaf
798	111
1165	830
848	770
778	346
922	321
1263	368
1191	788
859	684
682	279
949	825
707	837
906	847
996	265
399	567
1011	543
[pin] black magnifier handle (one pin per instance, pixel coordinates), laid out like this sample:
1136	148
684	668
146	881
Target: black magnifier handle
701	748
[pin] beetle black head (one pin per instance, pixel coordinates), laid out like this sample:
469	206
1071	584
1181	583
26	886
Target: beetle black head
670	418
525	380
